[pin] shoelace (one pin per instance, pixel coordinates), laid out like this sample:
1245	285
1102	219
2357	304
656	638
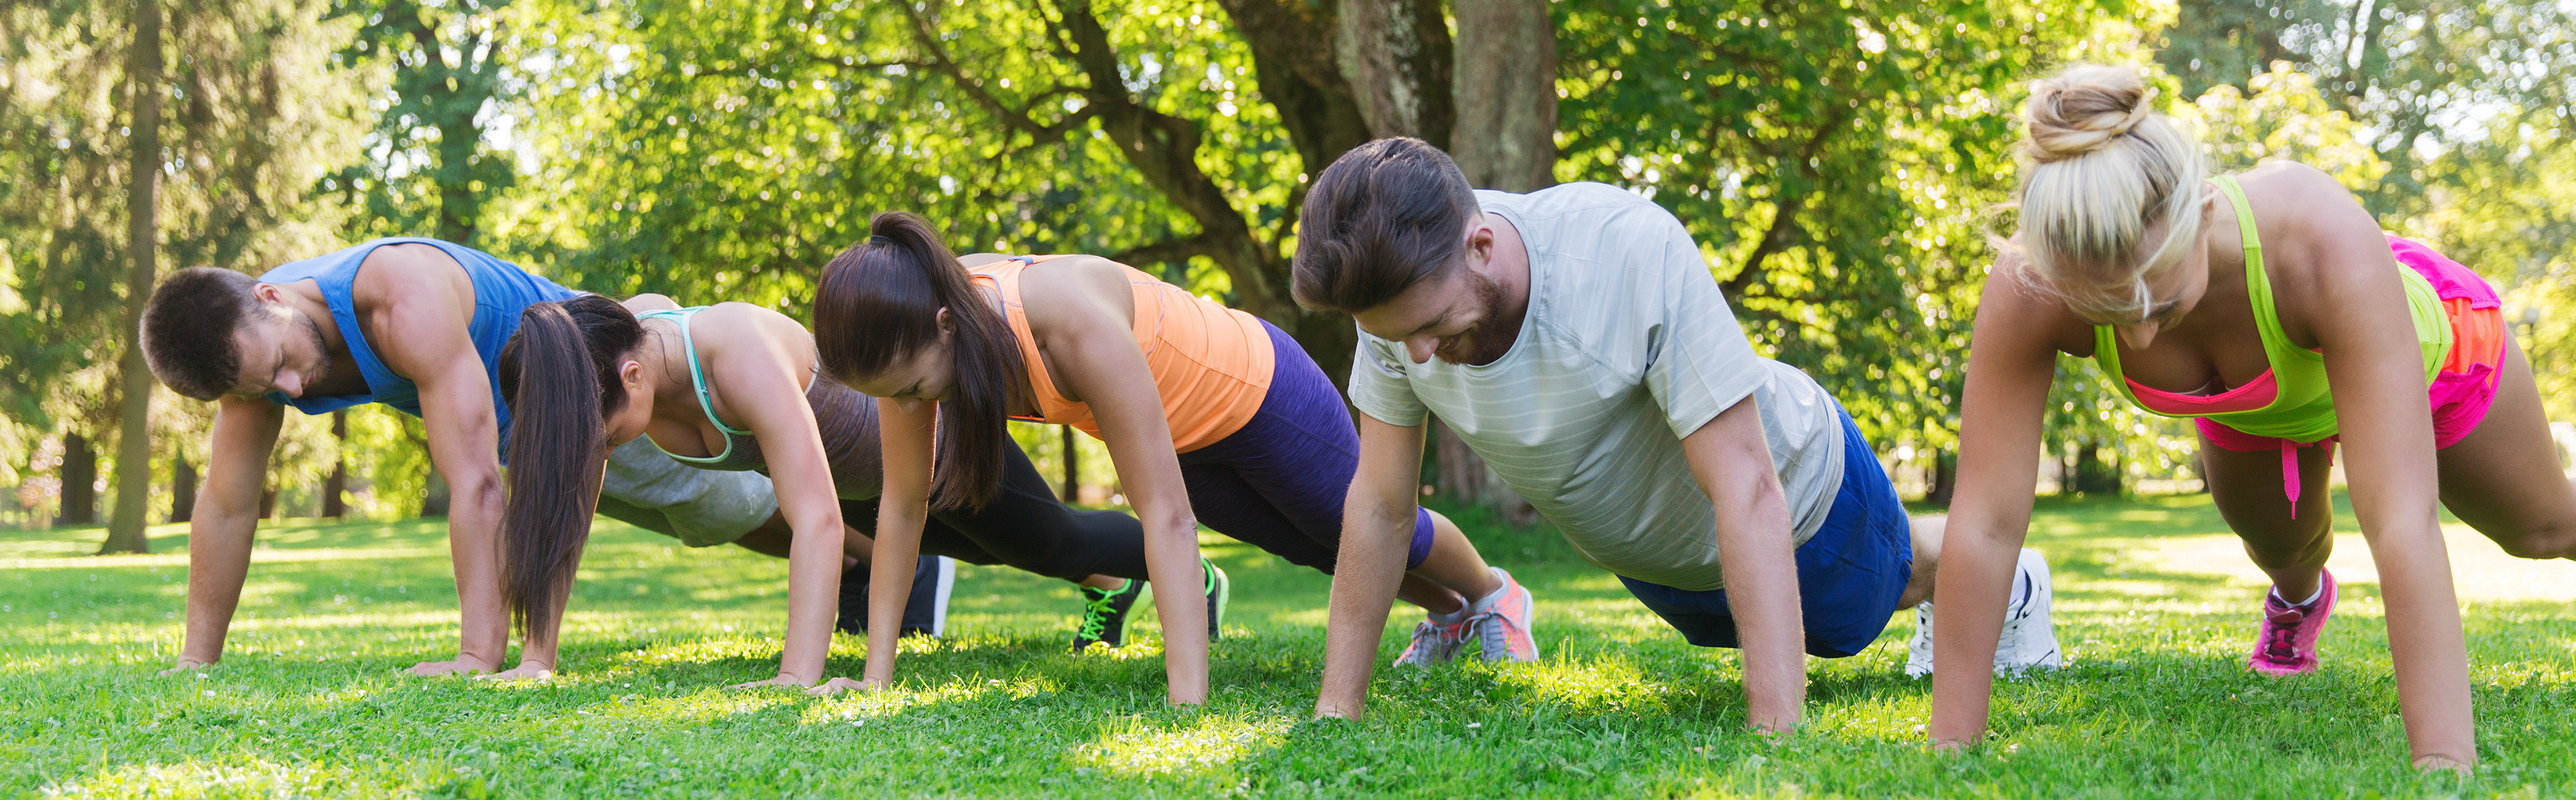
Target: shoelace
1510	625
1095	614
2281	648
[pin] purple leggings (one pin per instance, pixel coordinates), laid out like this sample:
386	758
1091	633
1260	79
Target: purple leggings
1279	481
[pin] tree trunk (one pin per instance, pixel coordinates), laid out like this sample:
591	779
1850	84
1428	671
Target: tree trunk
1072	467
1396	56
1945	479
1505	137
268	503
2093	473
80	482
183	489
142	204
332	487
433	496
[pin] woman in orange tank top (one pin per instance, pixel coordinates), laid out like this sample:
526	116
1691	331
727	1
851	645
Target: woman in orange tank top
1211	416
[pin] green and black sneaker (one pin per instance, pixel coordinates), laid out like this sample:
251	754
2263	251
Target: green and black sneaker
1218	589
1104	614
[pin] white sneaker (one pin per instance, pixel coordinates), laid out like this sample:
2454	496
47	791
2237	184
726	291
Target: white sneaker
1918	650
2029	639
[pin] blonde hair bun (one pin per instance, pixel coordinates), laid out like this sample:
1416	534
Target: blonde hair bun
2084	108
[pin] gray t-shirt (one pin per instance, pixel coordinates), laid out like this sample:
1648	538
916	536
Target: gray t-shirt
700	507
1626	348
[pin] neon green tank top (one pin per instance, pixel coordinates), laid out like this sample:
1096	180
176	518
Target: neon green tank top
2303	408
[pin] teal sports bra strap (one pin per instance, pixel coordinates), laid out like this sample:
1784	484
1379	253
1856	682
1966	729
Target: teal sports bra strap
697	375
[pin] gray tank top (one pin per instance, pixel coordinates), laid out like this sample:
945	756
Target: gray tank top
846	419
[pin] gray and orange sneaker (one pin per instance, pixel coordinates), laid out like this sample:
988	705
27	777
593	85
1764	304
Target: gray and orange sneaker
1503	629
2287	644
1434	643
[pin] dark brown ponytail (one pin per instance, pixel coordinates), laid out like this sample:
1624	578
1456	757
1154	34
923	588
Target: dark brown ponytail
879	303
559	375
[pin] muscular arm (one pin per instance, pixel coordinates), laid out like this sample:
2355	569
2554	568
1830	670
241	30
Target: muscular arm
1733	464
1084	326
221	524
2011	360
1377	526
410	297
754	357
2377	370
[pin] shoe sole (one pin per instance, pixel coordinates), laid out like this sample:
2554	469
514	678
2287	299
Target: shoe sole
946	585
1217	604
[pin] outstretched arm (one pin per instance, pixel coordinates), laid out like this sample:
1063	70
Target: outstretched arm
410	296
1733	464
1377	526
221	524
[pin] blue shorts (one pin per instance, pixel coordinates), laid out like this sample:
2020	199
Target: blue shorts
1850	575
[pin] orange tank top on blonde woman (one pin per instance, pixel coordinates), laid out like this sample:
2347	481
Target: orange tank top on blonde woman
1211	363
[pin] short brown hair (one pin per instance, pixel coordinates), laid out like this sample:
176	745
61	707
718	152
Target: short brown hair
1385	216
188	330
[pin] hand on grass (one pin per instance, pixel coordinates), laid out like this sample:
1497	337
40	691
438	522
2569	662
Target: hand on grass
783	679
526	671
839	685
186	665
2443	763
460	664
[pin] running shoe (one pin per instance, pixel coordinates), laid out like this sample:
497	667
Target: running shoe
2029	639
925	612
1219	590
1104	614
1434	643
1918	650
1503	630
2287	644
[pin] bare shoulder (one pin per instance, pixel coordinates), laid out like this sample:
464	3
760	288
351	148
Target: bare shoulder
1075	289
2016	304
973	260
401	273
731	323
649	301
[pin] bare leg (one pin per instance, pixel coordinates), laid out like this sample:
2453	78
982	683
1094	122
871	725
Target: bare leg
1451	575
2251	496
2503	478
1927	554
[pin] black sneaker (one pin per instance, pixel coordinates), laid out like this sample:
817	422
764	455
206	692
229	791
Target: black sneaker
1219	587
925	613
1104	614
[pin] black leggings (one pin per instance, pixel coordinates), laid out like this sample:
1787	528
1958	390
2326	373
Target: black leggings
1025	527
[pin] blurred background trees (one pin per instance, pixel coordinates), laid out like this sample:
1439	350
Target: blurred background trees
1838	163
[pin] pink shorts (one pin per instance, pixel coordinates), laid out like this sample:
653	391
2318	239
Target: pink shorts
2459	395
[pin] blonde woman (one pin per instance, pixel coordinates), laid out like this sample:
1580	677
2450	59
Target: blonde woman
2272	309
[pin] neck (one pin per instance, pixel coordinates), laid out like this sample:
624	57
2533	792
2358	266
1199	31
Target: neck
303	297
1510	267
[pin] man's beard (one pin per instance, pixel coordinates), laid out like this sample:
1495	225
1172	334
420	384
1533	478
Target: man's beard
1492	335
321	353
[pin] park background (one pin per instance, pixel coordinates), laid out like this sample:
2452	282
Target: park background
1839	162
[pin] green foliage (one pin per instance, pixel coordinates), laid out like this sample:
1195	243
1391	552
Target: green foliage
2153	601
1835	162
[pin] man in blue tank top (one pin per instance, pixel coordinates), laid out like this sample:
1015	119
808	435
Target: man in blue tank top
416	324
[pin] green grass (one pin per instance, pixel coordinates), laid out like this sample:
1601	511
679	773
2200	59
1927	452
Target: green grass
2154	602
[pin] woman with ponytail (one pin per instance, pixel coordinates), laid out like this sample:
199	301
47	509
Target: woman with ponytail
733	387
1211	416
2271	309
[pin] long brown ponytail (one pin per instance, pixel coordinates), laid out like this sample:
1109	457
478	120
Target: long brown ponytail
559	375
879	304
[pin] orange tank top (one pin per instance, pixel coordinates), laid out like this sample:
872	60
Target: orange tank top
1211	363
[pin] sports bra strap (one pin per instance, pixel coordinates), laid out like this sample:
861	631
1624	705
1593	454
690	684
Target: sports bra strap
697	375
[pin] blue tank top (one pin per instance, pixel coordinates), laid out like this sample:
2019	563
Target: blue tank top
501	292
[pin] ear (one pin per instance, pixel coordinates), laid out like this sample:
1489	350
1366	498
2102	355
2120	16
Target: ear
1480	241
268	293
947	323
631	373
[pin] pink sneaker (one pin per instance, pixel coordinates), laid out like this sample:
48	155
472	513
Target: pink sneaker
2287	644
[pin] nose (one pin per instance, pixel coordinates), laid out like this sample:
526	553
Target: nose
908	404
1421	348
291	384
2138	336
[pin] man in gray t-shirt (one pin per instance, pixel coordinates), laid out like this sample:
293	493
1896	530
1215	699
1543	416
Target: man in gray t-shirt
1575	340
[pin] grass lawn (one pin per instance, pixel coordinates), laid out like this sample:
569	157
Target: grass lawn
2155	604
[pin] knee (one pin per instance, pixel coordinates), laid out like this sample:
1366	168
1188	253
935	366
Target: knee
2553	540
